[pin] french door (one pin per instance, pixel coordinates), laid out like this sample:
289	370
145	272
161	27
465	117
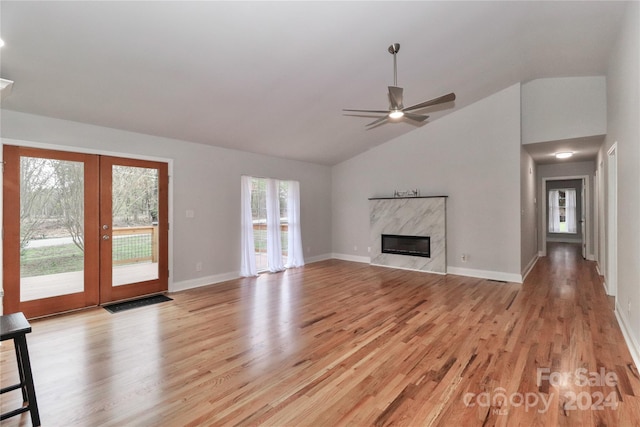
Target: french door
81	230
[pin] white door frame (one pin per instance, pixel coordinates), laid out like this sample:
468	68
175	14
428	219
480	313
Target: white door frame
583	219
587	215
601	213
611	276
85	150
596	217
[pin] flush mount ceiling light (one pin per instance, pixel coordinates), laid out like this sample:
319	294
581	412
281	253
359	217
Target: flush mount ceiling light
564	155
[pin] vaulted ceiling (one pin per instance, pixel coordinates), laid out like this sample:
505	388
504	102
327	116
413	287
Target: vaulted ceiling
273	77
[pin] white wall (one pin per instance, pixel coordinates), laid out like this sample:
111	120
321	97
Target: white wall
558	170
472	156
528	202
623	110
563	108
206	180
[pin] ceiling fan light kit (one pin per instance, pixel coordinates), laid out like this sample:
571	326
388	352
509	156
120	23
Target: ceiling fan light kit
396	109
5	88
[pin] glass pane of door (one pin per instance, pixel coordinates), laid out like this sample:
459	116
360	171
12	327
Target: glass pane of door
135	207
52	240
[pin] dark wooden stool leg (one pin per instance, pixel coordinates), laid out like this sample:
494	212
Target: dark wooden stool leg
24	362
23	386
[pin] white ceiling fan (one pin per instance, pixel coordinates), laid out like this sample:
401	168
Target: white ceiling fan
397	111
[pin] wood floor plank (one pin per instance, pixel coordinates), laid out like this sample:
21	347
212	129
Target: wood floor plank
340	344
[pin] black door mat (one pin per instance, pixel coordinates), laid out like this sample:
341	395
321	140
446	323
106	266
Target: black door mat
141	302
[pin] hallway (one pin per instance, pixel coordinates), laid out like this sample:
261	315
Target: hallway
579	331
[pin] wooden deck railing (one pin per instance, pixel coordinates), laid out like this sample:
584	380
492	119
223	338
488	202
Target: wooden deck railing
138	252
262	227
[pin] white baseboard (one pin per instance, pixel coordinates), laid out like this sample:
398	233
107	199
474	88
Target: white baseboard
598	269
482	274
317	258
218	278
529	267
564	240
634	348
354	258
203	281
590	257
486	274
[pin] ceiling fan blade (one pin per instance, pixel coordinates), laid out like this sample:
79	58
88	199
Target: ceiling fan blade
367	111
416	117
395	98
440	100
380	120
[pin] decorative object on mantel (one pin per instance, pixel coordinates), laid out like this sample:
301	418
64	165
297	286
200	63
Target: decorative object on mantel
407	197
408	193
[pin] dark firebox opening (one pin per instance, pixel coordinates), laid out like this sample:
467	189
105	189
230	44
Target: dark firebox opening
406	245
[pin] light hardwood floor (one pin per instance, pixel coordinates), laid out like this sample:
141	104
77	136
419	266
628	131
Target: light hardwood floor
341	343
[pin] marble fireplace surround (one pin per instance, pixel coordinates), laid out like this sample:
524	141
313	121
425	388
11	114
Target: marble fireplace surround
409	216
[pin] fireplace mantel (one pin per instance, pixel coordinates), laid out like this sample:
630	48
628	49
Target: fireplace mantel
409	216
402	198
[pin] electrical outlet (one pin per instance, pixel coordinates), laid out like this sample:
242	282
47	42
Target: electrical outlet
308	249
190	214
464	257
369	249
198	266
355	248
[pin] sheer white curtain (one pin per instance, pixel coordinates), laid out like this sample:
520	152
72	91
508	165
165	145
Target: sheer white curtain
570	210
295	257
274	244
248	255
554	211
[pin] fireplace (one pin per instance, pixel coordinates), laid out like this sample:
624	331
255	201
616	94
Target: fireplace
411	226
406	245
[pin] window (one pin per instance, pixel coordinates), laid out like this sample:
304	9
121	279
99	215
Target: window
562	211
562	204
259	216
271	232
